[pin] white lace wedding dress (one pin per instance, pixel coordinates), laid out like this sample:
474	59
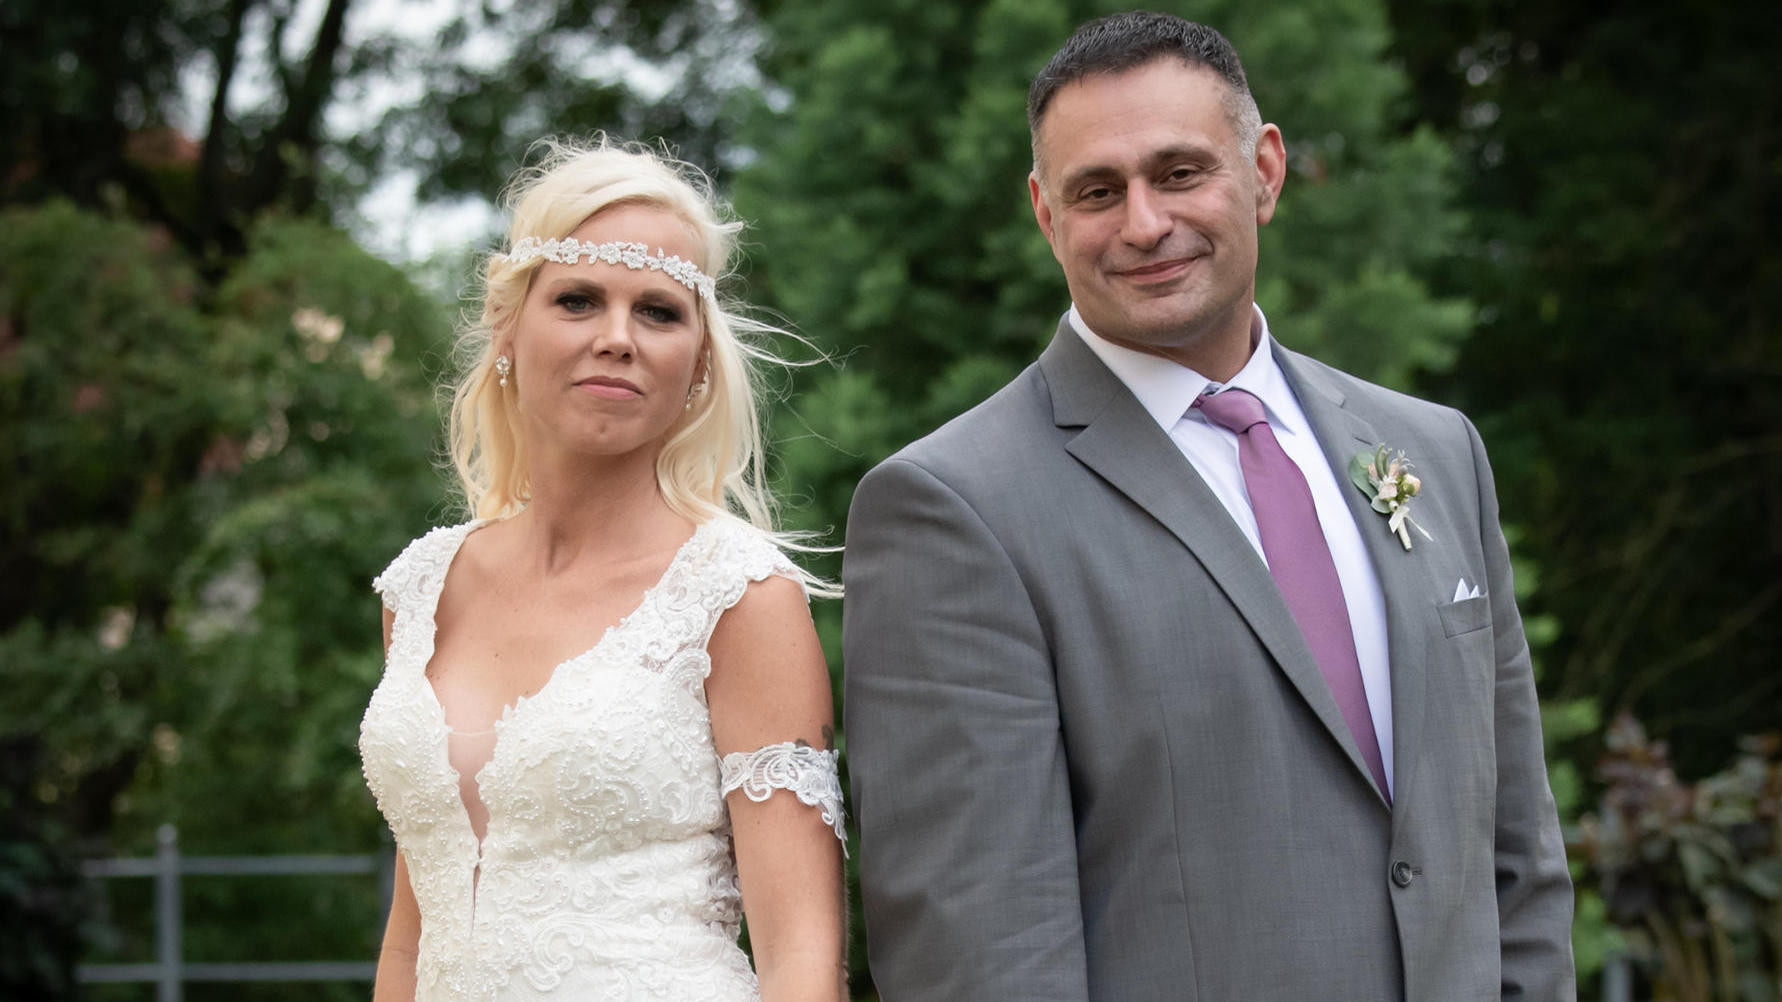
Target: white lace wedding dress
606	870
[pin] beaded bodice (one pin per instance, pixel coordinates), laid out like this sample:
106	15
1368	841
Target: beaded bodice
606	870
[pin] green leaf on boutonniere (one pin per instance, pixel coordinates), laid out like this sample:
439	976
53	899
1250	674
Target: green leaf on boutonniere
1358	473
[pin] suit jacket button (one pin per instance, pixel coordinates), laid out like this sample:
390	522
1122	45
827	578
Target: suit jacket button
1402	874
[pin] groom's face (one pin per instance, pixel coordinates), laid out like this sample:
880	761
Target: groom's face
1151	206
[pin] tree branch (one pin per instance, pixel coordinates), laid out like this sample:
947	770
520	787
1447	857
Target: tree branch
304	102
210	164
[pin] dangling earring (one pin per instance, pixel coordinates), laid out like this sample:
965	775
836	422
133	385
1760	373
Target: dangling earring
694	392
502	368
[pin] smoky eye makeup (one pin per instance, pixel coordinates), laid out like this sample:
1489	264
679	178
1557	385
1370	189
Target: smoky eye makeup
662	307
575	294
580	295
665	313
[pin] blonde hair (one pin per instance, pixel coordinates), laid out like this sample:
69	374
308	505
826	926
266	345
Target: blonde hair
712	465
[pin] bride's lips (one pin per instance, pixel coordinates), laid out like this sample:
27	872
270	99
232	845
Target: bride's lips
610	387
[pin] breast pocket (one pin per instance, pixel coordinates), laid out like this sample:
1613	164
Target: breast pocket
1466	615
1461	699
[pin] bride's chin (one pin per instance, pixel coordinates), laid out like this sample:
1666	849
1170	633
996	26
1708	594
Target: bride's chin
616	446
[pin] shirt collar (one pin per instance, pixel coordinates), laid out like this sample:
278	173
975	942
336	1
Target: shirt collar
1167	389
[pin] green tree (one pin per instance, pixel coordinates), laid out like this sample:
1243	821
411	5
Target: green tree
1621	170
97	100
679	72
889	200
88	93
200	498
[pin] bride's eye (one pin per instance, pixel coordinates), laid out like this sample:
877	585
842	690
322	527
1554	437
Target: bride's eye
660	313
575	302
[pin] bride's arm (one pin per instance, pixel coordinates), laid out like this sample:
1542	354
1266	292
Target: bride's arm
402	933
769	685
402	938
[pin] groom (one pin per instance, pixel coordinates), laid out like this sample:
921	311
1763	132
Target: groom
1146	699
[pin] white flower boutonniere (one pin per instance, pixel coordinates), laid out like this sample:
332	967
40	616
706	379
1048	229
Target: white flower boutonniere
1389	484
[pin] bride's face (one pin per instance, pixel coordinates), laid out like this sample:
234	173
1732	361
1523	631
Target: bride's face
604	356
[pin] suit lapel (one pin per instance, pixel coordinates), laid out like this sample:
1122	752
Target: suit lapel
1121	443
1405	582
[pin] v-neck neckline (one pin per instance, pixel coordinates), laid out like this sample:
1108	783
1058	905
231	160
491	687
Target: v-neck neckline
682	554
429	611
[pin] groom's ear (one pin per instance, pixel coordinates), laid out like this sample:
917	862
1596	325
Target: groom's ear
1042	213
1271	172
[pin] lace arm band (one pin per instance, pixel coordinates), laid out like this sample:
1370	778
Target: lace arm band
808	772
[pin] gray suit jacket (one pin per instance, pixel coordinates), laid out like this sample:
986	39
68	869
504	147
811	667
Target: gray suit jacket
1091	755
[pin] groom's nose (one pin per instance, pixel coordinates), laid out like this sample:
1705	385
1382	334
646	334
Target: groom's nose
1145	222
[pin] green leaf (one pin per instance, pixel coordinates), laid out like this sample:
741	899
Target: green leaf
1358	473
1764	877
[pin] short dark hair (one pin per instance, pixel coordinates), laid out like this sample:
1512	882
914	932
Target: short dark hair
1120	42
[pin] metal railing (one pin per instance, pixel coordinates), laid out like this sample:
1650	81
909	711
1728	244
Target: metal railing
170	971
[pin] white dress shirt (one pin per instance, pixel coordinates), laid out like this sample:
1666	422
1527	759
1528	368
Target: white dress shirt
1167	390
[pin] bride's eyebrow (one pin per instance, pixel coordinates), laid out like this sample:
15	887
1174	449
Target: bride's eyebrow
573	283
664	297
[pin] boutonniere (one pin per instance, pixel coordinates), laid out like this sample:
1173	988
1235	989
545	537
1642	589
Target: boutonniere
1390	485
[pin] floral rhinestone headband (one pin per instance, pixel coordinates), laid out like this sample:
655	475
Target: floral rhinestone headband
635	256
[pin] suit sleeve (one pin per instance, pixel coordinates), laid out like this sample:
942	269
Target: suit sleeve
1534	888
968	851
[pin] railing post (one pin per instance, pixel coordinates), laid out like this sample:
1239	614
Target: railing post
167	914
1617	977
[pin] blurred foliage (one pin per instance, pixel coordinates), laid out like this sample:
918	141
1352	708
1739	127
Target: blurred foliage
200	497
42	895
1692	872
499	77
1623	170
202	116
88	91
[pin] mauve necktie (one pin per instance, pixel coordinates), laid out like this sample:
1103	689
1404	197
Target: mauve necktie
1299	559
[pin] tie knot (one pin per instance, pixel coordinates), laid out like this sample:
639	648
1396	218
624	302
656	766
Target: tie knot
1233	409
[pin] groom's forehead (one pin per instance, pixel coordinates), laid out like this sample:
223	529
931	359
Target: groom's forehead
1134	114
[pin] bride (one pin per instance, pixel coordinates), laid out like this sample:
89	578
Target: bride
594	690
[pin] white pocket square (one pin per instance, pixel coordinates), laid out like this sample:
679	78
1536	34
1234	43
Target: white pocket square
1462	593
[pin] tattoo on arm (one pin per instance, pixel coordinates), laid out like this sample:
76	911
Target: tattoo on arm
828	739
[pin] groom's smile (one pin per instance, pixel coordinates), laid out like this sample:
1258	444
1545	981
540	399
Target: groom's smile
1156	275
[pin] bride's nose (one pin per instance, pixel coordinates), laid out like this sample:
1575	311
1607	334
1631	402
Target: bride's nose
613	335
